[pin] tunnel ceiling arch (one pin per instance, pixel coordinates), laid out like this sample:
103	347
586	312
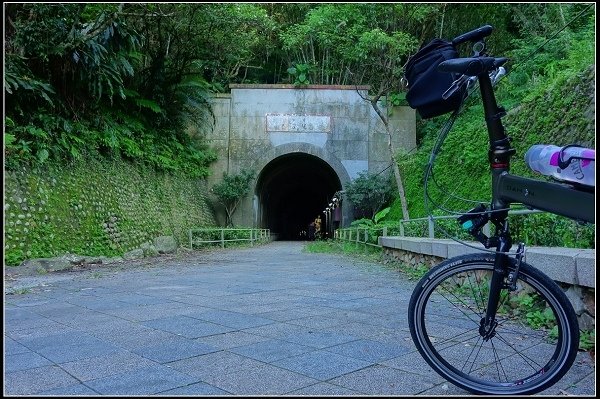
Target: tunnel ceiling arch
292	190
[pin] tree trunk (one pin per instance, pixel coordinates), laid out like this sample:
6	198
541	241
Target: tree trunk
442	23
562	15
398	177
228	218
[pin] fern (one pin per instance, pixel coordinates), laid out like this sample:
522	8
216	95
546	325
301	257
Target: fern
17	77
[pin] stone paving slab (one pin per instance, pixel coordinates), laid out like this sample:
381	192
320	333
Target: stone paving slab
267	320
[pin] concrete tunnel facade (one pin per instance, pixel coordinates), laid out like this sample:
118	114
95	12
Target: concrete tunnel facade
304	145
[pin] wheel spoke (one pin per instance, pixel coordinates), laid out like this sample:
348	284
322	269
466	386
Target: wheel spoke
460	308
468	357
454	340
498	363
511	356
527	359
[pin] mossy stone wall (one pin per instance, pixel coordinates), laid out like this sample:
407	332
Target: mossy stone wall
96	208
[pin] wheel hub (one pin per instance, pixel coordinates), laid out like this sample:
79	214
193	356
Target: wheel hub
487	330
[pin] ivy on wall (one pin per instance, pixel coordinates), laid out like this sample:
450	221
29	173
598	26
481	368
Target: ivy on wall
96	208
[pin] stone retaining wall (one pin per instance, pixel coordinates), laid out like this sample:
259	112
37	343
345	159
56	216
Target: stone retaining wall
97	207
573	269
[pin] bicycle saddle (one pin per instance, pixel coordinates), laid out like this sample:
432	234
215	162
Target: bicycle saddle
471	66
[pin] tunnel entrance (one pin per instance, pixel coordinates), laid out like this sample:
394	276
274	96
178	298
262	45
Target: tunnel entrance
292	191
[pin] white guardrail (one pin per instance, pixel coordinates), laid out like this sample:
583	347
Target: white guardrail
362	235
224	235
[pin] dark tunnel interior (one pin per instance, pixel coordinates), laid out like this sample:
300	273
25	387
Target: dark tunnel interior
293	190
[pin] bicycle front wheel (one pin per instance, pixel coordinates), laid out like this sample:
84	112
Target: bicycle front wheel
532	346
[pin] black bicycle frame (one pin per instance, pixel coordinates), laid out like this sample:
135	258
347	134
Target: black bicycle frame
557	198
561	199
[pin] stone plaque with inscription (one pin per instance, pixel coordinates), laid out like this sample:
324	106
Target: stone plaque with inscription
295	123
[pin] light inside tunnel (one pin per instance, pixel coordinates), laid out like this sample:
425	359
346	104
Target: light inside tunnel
292	191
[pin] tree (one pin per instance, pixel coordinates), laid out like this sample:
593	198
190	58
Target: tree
83	52
90	79
362	44
231	190
383	54
369	192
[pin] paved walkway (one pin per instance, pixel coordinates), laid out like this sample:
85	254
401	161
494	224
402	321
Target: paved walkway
267	320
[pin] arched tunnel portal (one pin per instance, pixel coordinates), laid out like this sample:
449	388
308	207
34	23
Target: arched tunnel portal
292	190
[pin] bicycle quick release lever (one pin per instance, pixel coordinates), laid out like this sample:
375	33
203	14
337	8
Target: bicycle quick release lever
497	75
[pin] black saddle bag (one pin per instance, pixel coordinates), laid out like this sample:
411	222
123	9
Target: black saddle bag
426	85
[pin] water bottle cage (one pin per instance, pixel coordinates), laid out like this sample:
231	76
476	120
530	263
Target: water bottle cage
564	163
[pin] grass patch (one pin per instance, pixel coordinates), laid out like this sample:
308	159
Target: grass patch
587	340
412	272
21	291
366	253
319	247
360	251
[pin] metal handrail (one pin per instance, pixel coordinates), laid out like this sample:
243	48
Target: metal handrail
346	234
255	235
486	228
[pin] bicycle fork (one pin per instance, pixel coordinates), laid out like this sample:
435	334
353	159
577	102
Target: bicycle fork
502	276
488	324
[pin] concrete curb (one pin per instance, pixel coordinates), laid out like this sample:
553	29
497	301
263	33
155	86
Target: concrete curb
567	265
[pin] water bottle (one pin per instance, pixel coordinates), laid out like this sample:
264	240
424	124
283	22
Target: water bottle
577	164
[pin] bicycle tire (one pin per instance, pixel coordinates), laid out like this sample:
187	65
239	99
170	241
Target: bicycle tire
508	362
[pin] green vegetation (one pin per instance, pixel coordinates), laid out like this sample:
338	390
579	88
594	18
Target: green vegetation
133	82
549	99
135	79
20	291
369	192
322	247
359	251
299	72
412	272
231	190
97	208
87	80
587	342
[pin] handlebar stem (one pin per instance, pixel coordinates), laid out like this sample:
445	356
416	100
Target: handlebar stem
493	113
500	149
